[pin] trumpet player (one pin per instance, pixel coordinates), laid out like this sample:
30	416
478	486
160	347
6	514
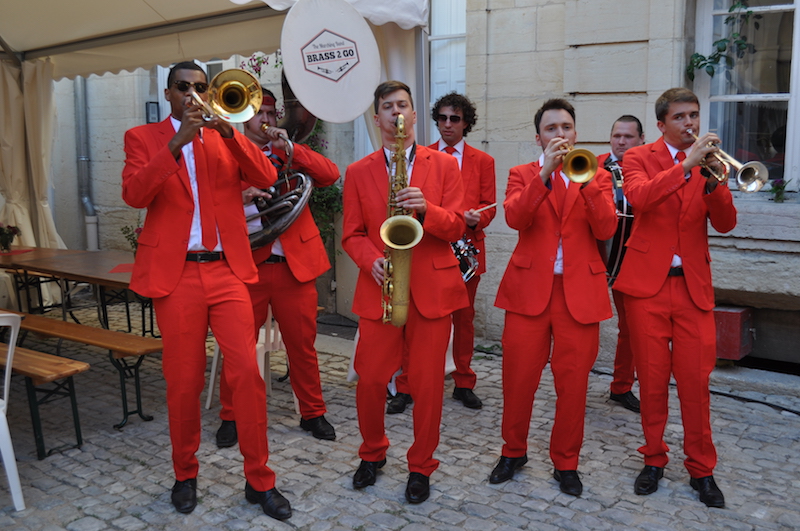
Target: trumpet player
670	307
553	289
194	261
287	273
626	132
455	115
434	195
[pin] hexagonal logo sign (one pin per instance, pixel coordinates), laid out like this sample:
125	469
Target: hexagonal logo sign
330	55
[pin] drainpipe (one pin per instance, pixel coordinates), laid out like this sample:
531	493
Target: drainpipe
84	177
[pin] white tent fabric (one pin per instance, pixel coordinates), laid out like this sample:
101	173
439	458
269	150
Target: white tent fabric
43	40
405	13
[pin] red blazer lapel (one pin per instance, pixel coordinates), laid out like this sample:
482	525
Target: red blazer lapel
422	165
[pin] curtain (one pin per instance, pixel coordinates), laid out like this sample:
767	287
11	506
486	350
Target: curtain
39	117
13	165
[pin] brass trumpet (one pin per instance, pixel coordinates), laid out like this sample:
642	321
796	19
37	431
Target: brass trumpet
750	176
234	95
579	165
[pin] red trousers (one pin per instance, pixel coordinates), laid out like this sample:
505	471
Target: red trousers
671	316
294	305
623	361
526	350
463	344
378	354
209	294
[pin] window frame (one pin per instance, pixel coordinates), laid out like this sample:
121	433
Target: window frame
702	82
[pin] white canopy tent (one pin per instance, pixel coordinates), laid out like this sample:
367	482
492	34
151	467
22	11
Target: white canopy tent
46	40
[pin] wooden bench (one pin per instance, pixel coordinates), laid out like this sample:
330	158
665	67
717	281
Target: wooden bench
40	369
120	345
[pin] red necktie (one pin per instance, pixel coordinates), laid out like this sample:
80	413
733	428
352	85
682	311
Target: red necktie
205	199
560	190
449	150
681	156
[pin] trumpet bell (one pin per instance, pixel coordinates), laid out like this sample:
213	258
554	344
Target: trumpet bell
579	165
751	177
235	95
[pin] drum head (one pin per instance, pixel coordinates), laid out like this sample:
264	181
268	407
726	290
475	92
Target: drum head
330	58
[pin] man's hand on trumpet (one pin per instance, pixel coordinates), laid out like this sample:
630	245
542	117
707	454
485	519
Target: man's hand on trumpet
553	155
704	153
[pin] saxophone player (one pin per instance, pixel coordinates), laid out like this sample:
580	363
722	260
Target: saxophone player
434	194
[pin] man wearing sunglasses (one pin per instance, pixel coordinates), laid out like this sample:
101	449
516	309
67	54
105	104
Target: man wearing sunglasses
287	273
455	116
194	261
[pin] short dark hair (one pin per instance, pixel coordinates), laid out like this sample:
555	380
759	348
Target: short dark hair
629	118
673	95
550	105
387	87
184	65
458	102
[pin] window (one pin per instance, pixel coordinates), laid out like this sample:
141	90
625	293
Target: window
751	101
448	51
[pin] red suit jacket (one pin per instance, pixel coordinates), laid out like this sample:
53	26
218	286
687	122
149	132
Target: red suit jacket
303	246
436	286
589	215
478	178
666	206
153	179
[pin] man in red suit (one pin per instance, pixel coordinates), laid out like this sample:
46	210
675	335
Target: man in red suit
194	260
553	289
455	116
625	134
670	309
287	273
434	194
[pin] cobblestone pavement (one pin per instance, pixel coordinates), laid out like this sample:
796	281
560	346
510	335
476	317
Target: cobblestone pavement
120	479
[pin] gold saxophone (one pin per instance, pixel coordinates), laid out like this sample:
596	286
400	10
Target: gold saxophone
400	233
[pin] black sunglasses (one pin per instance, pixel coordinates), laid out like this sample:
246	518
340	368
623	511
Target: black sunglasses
183	86
442	118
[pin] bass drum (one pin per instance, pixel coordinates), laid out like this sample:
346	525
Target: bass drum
330	58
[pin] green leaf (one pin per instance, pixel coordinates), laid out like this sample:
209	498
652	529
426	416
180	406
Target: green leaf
710	70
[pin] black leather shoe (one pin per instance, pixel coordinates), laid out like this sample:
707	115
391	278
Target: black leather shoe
627	400
226	434
647	480
272	502
319	428
467	397
709	492
418	488
366	473
184	495
505	468
568	482
398	403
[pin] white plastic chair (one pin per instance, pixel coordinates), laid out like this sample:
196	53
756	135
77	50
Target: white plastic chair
269	340
6	448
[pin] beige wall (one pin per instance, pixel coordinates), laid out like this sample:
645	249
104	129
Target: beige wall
608	59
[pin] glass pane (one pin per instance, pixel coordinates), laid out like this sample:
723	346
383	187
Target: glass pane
763	66
726	4
752	131
448	17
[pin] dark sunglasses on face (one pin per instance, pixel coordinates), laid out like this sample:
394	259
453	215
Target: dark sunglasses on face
183	86
442	118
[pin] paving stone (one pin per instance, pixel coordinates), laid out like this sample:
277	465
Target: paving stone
120	479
